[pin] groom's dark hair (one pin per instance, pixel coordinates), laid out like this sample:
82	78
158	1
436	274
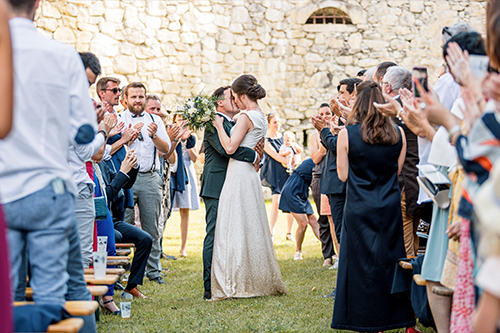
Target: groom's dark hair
219	94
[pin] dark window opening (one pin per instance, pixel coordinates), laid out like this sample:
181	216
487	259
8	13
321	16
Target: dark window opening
329	15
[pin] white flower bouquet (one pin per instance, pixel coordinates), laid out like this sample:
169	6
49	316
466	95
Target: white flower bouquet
199	111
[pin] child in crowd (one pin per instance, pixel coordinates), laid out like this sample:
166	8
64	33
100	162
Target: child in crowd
289	149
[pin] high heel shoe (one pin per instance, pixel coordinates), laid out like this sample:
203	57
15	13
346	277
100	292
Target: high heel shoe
105	309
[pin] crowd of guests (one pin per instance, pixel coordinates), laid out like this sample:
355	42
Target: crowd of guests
370	141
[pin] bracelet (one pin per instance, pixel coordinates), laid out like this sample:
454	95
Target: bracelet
399	113
104	133
454	130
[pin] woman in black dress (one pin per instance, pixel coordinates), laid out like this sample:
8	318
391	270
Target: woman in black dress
273	173
370	154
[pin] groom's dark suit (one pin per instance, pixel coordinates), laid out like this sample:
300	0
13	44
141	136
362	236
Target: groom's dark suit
212	180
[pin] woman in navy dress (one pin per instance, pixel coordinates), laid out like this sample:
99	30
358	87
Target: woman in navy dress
295	200
273	173
370	154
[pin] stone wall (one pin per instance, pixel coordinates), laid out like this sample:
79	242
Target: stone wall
187	46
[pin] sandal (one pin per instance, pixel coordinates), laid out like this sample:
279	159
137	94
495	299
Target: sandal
289	237
105	309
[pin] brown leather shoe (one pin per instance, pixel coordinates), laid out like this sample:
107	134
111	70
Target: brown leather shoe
136	293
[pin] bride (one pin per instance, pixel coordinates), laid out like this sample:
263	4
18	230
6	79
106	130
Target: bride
244	262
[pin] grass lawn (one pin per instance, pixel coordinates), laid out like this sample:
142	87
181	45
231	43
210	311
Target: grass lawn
179	305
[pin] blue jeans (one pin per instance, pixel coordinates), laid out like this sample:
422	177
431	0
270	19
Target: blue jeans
105	228
42	223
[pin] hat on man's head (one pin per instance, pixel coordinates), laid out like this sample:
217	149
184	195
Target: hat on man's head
487	201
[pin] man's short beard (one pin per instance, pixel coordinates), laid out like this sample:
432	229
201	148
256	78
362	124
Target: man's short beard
138	109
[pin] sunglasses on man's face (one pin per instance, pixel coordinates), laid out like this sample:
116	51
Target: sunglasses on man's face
114	90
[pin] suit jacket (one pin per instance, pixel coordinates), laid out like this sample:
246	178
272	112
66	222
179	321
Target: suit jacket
330	182
408	176
216	160
114	182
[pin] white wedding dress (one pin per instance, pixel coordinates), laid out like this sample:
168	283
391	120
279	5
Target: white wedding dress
244	262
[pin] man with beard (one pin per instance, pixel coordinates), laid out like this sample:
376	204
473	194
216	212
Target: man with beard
153	138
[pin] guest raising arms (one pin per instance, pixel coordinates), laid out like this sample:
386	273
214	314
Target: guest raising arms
318	153
273	173
187	199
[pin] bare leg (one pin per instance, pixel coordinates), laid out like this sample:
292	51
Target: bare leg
274	213
289	223
111	306
313	222
302	222
184	212
336	244
440	307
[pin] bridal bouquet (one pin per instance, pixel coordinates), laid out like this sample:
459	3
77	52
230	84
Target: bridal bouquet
199	111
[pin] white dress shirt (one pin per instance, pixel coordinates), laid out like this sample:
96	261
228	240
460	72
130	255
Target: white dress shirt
51	104
80	154
145	148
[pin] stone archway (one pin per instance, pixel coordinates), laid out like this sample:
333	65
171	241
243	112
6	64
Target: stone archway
356	13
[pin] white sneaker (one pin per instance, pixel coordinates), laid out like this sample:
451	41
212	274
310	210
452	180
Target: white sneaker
335	265
297	256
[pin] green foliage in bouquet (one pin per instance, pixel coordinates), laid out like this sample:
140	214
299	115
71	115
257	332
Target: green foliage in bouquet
199	111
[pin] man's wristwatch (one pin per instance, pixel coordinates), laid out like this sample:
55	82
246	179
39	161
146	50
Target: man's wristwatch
153	136
103	133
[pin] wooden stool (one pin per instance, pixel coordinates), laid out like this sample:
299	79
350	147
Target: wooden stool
109	271
405	265
71	325
94	291
123	252
109	279
75	308
418	280
124	245
442	291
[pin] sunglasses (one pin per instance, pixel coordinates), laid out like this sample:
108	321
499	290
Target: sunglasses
114	90
446	30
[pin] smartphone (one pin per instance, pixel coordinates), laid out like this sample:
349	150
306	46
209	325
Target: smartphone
420	73
479	65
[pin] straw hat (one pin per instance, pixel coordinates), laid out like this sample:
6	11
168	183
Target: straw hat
487	201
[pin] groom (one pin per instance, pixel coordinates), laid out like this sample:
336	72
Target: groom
214	173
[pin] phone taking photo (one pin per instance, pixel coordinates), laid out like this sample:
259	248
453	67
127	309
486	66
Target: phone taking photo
420	73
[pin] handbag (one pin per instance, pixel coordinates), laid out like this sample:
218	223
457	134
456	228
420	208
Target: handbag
435	184
101	210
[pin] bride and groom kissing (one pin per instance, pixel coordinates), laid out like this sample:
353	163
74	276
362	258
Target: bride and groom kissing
238	254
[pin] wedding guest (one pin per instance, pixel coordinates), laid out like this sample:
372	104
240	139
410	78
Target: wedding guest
6	94
318	153
381	69
153	138
111	183
36	188
273	173
290	150
396	78
186	199
371	152
295	200
487	316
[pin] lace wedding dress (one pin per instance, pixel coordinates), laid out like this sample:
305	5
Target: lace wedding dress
244	262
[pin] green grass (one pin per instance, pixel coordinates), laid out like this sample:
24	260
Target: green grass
179	306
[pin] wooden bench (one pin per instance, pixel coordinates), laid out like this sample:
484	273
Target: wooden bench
123	252
71	325
405	265
109	271
442	291
94	291
109	279
75	308
418	280
124	245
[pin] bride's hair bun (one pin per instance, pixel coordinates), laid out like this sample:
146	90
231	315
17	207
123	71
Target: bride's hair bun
247	85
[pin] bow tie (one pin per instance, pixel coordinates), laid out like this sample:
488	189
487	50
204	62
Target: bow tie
137	116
